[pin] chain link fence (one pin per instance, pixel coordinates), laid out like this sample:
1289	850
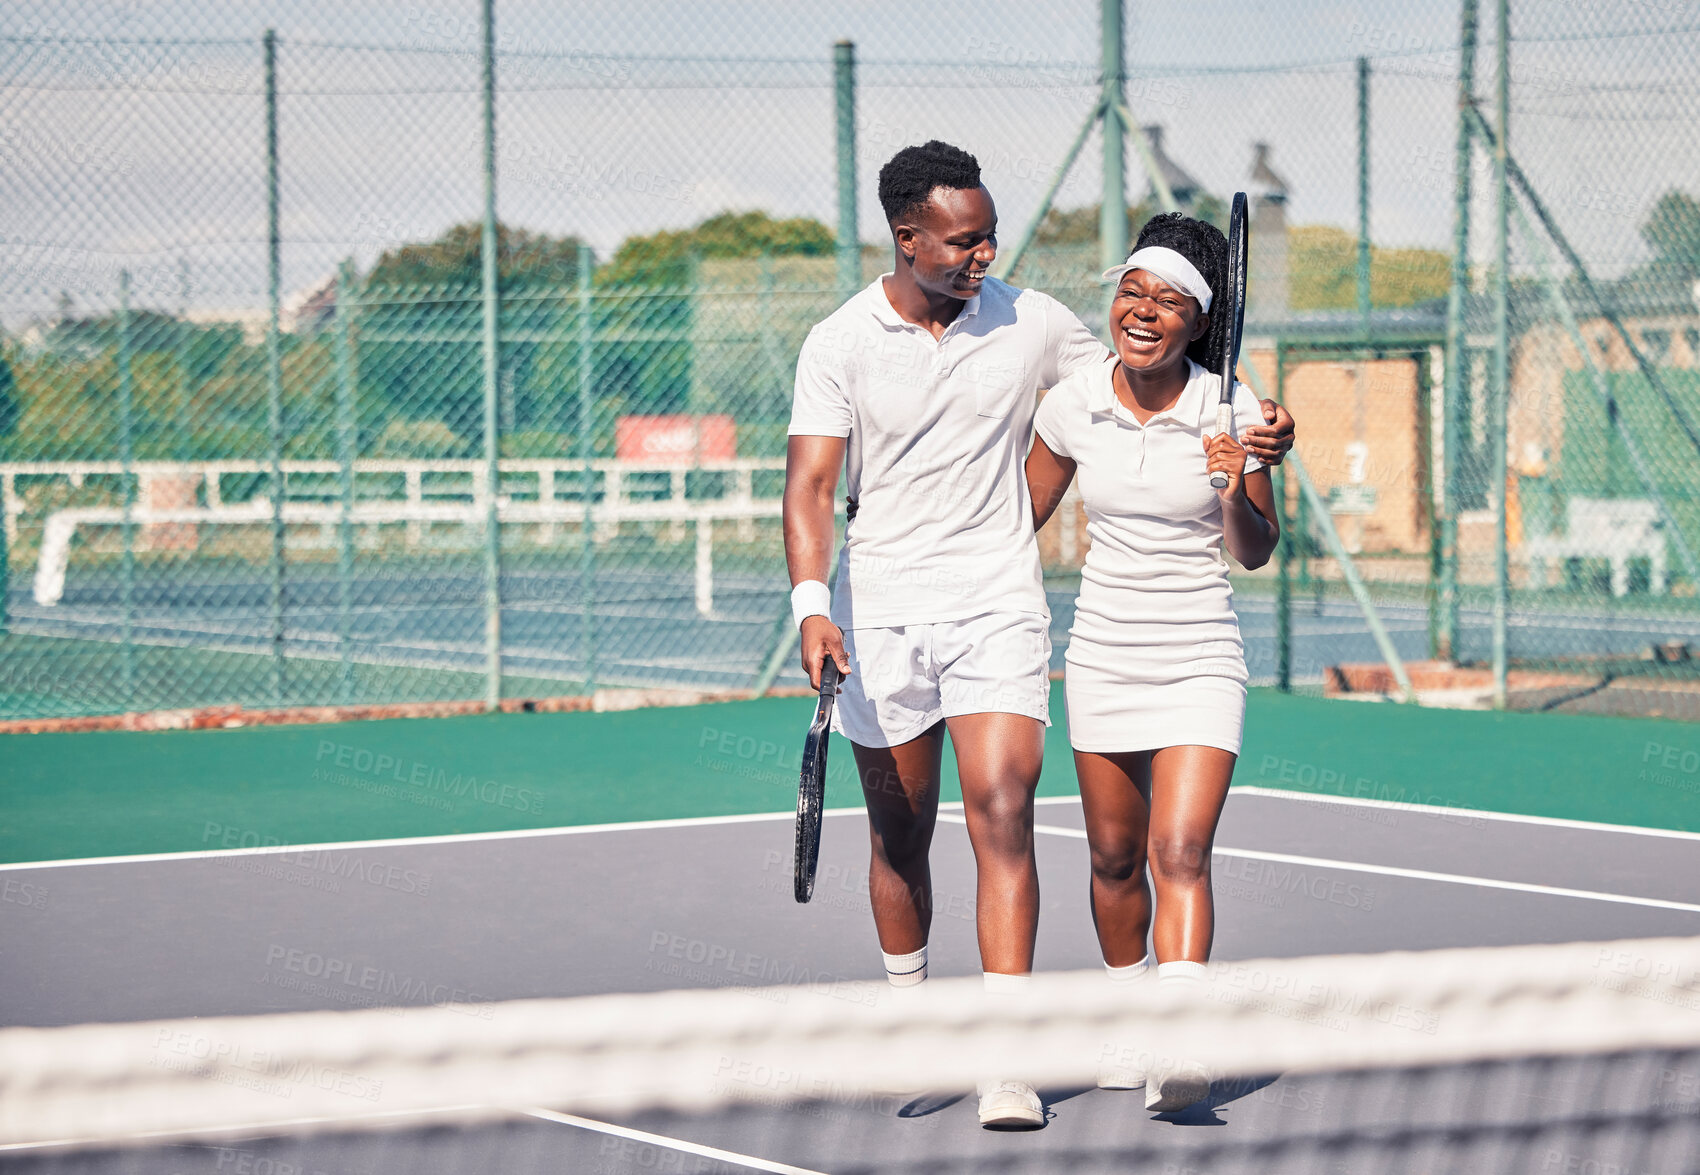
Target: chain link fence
229	484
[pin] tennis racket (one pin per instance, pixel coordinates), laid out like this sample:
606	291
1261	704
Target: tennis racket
811	786
1231	302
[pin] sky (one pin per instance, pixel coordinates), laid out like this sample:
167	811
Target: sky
131	133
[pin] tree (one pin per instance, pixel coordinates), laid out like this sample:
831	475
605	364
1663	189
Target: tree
1672	231
1323	264
422	321
664	258
524	259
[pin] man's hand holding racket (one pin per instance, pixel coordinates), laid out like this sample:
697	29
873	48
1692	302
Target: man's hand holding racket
820	638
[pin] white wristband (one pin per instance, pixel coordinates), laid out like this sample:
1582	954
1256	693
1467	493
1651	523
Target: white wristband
810	598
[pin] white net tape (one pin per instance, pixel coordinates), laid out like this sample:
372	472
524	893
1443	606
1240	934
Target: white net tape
697	1050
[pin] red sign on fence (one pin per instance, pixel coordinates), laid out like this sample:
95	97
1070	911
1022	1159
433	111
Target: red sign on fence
675	440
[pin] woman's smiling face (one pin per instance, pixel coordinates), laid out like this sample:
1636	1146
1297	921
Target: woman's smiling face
1154	322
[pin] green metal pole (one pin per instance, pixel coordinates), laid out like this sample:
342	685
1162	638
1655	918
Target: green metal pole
127	460
183	334
1454	406
587	475
1499	418
1363	198
346	446
849	236
1283	571
274	375
1006	262
492	385
1112	213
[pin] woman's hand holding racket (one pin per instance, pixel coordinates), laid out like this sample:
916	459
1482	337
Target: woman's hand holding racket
1226	457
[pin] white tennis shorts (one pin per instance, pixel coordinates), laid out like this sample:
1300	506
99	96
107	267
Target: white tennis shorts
905	680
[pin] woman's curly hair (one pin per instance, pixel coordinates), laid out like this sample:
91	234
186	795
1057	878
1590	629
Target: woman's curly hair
1204	245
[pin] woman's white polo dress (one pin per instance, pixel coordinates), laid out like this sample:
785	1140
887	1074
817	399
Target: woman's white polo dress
1155	657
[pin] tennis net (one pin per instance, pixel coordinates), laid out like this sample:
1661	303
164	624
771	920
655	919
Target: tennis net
1577	1059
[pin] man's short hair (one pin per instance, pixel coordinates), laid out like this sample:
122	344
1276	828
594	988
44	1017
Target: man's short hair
909	177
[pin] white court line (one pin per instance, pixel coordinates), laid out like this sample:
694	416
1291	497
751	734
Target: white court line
1473	813
463	837
675	1144
245	1131
1414	874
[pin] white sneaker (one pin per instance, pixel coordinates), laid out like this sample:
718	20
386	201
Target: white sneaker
1010	1103
1176	1086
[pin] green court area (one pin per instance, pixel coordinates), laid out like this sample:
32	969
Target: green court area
100	794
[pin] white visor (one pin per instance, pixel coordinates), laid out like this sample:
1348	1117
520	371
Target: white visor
1168	265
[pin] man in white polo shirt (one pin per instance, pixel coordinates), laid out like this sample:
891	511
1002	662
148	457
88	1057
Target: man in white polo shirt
922	389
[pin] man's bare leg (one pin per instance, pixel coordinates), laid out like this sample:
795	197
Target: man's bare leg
901	788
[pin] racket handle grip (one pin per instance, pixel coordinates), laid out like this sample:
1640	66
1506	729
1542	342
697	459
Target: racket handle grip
1224	423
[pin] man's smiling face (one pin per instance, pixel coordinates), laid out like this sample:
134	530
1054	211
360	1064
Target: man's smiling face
953	241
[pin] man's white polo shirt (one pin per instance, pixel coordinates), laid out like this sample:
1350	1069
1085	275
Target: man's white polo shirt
938	430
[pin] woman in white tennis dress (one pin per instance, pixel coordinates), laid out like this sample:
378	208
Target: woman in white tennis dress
1155	666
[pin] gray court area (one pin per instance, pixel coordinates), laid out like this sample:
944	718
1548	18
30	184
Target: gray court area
708	904
645	628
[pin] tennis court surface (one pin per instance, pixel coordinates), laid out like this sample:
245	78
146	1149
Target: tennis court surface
191	876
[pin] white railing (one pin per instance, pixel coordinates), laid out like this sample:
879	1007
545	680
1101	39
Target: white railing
62	525
618	484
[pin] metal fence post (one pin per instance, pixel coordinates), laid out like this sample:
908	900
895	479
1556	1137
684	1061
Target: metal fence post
587	474
492	359
1454	411
849	235
274	375
1363	199
347	443
127	474
1112	213
1498	419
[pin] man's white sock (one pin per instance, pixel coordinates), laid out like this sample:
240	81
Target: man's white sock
906	970
998	983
